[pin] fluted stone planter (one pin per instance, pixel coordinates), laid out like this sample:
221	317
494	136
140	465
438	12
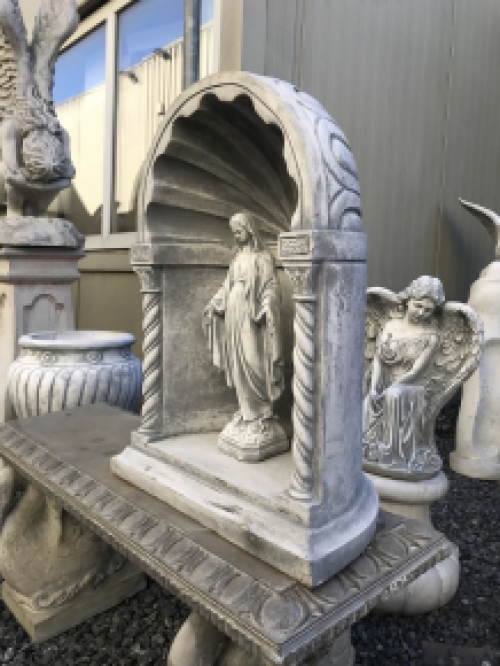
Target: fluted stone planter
65	369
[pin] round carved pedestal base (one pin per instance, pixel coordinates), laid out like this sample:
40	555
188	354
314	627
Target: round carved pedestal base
437	586
200	643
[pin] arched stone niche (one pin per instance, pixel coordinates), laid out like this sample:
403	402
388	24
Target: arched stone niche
238	141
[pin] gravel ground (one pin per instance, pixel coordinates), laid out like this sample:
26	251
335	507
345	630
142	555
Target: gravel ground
469	515
139	631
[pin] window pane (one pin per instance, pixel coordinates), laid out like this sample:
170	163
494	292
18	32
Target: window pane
207	11
79	97
150	35
146	26
81	68
206	38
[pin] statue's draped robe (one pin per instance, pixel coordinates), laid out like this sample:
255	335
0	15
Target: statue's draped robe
244	333
397	420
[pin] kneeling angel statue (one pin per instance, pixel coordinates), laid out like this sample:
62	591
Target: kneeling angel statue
419	350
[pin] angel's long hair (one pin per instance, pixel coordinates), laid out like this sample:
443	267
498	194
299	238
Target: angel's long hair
425	287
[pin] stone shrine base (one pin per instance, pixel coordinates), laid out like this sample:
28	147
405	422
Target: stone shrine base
42	624
436	586
249	504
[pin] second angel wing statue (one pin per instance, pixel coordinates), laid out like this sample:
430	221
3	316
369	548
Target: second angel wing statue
419	350
35	154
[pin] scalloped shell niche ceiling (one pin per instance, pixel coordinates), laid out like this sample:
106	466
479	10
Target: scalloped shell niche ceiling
221	159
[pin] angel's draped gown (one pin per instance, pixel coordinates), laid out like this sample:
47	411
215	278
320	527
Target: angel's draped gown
246	347
396	419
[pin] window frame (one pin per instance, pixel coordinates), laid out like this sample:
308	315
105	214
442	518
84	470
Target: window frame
107	15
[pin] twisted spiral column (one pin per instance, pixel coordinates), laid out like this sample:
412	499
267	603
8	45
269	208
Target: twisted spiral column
302	483
152	325
304	382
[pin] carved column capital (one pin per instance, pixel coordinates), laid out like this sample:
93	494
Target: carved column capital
150	277
303	276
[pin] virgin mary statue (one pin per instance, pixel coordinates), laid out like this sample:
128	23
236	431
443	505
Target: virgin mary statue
242	324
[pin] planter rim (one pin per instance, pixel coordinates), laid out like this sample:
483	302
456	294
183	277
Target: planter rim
71	340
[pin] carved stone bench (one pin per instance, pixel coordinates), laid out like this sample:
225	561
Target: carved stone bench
245	611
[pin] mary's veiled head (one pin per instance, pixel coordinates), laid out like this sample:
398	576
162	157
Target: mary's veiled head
245	228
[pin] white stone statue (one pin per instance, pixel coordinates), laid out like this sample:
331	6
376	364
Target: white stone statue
419	351
36	162
242	324
478	445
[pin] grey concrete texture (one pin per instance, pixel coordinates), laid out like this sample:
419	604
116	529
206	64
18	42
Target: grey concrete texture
35	295
30	231
57	370
272	154
438	585
35	151
419	351
43	624
478	446
218	580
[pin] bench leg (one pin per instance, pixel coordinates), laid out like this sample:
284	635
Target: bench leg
199	643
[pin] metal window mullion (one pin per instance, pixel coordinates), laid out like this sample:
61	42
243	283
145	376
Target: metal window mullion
110	123
191	60
217	18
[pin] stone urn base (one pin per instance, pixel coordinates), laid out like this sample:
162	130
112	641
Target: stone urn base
59	370
436	586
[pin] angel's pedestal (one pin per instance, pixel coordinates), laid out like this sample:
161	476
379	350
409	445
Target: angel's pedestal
35	295
478	433
412	499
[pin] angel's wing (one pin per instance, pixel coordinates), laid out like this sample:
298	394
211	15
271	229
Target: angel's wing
8	77
14	56
489	219
381	305
459	350
55	22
